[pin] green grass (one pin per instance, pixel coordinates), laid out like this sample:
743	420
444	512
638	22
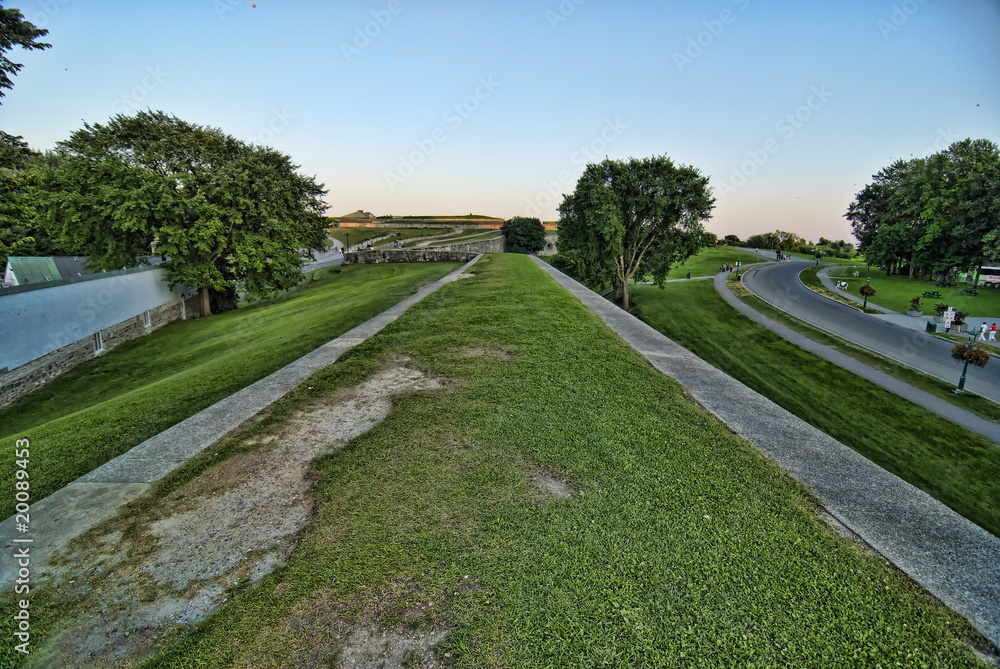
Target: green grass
971	402
707	262
467	236
681	544
360	235
832	260
954	465
895	292
810	279
114	402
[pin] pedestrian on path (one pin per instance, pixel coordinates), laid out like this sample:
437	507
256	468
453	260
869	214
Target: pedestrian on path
689	276
993	332
982	331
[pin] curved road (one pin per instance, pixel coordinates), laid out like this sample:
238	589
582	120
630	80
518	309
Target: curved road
778	283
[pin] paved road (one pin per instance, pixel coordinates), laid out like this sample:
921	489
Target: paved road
778	283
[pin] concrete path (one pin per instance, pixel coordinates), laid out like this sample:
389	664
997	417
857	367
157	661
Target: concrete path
97	496
956	560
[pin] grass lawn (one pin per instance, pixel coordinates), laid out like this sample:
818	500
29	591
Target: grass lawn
467	236
810	278
832	260
954	465
359	235
895	292
708	261
971	402
679	543
114	402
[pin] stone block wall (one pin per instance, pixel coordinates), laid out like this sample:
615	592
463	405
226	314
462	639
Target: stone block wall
496	245
33	375
407	255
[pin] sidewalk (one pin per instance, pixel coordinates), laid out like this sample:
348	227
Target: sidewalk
954	559
97	496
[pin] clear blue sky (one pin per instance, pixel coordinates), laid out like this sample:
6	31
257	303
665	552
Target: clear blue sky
488	107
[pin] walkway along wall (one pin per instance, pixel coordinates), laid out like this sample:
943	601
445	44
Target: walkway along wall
48	329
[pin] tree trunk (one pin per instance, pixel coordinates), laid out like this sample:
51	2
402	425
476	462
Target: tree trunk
625	297
206	303
975	280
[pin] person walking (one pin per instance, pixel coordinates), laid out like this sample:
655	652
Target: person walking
993	332
982	331
689	274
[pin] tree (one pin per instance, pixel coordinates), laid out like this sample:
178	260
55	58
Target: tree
709	239
632	218
524	235
15	31
732	240
229	216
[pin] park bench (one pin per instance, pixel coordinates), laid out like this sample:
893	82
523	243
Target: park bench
932	293
970	292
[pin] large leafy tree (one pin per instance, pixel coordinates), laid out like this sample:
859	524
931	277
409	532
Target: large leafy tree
931	214
632	218
524	235
15	31
228	216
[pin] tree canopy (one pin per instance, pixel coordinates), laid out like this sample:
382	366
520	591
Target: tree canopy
524	235
15	31
929	215
632	218
228	216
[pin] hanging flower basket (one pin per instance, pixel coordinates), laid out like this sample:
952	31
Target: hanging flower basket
867	291
971	354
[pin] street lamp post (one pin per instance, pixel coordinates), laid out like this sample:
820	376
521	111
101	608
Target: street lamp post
738	263
867	283
965	367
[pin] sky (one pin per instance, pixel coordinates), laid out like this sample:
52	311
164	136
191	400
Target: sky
412	107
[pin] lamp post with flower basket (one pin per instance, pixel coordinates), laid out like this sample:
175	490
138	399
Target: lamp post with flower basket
867	291
969	352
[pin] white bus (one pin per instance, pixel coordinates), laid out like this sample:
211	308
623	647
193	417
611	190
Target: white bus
988	277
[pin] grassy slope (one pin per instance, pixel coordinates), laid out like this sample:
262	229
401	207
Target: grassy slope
113	402
980	406
953	465
358	235
707	262
681	544
895	292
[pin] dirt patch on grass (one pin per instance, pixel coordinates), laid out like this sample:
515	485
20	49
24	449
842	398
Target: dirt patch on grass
549	485
489	352
235	522
320	631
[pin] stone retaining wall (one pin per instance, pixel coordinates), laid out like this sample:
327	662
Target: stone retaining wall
33	375
496	245
407	255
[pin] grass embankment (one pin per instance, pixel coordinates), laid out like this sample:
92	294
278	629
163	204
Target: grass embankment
895	292
708	261
971	402
360	235
467	236
952	464
810	278
114	402
680	543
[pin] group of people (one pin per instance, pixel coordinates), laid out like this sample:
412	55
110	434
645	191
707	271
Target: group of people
727	268
988	332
